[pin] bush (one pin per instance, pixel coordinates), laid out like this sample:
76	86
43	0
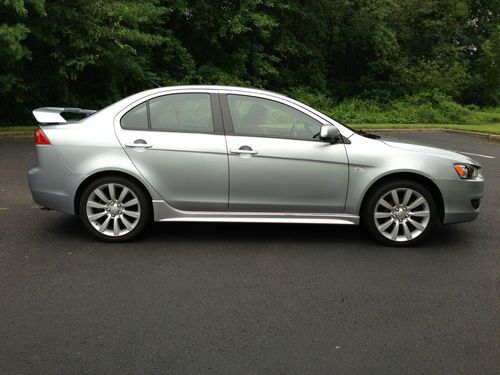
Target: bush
421	108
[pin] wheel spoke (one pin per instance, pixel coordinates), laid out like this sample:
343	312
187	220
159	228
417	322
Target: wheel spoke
97	216
131	202
384	203
101	194
111	188
127	223
116	227
416	203
407	196
94	204
104	224
420	213
406	231
133	214
123	194
386	225
395	198
382	215
416	224
395	231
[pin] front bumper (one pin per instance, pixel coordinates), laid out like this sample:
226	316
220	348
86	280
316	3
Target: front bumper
458	197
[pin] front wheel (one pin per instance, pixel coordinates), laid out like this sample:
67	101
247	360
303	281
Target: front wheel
400	213
114	209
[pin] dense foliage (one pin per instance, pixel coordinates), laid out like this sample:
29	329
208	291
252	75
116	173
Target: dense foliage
89	53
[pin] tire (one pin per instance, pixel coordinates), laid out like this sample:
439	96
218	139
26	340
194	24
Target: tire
115	209
406	222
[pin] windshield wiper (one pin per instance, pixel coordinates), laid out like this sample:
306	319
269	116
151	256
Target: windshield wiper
368	135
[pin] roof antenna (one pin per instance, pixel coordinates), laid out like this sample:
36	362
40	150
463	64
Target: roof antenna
157	85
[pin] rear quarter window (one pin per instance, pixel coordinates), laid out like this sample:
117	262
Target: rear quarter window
136	118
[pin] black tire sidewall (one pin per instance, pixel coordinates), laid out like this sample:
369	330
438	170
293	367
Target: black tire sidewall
367	216
145	203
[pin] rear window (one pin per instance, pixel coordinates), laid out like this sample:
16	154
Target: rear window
191	113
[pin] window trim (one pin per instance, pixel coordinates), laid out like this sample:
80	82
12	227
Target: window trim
218	127
229	126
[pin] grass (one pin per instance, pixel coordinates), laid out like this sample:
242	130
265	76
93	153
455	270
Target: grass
17	129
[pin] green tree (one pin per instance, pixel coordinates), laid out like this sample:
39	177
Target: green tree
93	52
483	31
14	53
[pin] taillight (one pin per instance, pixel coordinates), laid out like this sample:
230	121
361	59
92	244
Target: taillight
41	138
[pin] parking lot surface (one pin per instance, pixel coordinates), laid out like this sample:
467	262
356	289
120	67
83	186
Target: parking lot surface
246	298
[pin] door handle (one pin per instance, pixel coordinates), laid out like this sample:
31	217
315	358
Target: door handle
240	151
139	143
243	150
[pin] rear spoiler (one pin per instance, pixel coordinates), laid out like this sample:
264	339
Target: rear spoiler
52	115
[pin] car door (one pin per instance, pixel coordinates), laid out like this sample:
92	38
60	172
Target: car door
277	162
176	141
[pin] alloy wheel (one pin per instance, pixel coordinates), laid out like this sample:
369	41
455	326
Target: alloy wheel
401	214
113	209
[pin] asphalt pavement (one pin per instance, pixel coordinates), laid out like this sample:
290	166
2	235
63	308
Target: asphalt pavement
191	298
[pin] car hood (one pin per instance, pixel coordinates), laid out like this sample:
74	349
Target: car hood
454	156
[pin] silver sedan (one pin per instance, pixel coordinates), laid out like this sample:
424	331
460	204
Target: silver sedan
231	154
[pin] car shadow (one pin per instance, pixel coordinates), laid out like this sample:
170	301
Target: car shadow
255	232
347	236
65	227
70	228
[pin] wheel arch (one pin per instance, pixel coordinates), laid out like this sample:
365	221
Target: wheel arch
423	180
101	174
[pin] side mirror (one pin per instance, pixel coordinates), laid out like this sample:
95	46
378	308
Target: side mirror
329	133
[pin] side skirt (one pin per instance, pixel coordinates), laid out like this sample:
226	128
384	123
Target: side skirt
164	212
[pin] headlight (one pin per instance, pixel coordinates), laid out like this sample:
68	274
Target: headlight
466	171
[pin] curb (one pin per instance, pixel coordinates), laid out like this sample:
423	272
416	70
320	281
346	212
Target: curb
491	137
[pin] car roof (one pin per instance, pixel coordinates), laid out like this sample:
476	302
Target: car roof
219	88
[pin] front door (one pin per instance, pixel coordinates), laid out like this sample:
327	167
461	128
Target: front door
277	162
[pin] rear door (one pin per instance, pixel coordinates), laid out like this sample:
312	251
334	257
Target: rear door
176	141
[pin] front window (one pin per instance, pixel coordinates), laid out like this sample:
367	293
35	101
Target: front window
262	117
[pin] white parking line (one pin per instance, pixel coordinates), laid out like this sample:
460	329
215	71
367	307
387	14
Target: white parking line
480	155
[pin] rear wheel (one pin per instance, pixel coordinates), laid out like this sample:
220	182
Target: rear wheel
114	209
400	213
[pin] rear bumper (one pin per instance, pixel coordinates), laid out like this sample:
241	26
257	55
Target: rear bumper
458	196
48	191
51	181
